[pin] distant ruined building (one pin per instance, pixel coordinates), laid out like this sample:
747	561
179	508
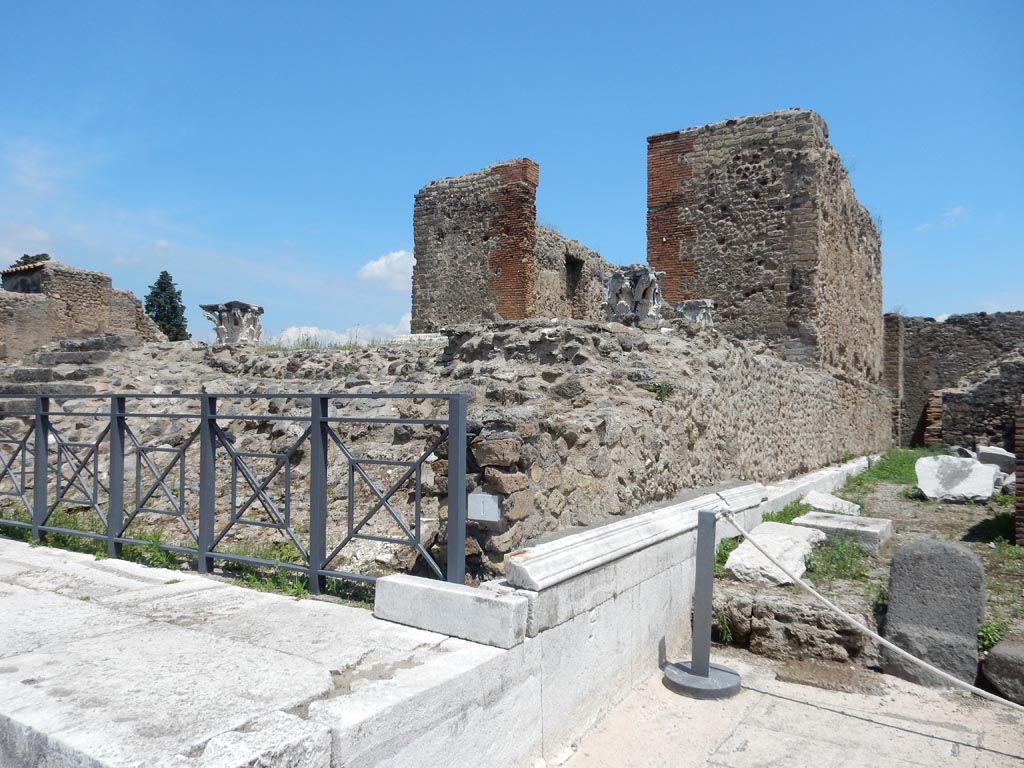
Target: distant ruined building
46	301
755	215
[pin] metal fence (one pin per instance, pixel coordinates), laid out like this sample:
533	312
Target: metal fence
118	476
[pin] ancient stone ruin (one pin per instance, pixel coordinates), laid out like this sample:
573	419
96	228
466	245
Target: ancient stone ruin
481	256
46	301
235	322
955	382
634	296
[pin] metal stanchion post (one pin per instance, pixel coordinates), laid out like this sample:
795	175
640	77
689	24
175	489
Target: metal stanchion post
699	678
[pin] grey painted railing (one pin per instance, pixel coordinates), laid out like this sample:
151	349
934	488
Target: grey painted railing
41	471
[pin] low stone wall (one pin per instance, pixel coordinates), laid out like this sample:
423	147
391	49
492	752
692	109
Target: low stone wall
593	614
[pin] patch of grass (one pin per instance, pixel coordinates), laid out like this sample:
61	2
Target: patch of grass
723	627
878	595
788	513
1003	499
725	548
1010	557
912	494
895	466
150	553
78	519
990	633
839	558
662	390
19	514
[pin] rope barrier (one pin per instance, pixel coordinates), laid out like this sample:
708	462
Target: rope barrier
868	631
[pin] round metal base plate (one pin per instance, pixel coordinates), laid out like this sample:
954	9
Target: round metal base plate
721	682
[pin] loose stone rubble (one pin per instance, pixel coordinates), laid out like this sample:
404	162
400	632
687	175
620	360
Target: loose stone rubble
868	533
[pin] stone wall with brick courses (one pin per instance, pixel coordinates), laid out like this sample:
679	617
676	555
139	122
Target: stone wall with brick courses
570	279
758	214
475	237
892	370
937	355
981	409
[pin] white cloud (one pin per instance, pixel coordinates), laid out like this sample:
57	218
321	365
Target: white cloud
393	269
954	213
922	228
161	244
358	334
942	318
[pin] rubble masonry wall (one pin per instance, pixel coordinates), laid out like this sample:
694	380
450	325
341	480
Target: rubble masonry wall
937	355
758	214
55	301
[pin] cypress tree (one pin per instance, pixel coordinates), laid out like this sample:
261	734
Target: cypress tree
164	306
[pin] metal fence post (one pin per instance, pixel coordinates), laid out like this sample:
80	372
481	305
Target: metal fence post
457	488
115	511
699	678
207	481
40	469
317	491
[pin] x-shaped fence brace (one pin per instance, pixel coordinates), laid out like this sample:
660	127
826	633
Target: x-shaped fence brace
76	471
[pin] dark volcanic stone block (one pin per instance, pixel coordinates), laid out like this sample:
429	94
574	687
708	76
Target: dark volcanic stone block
936	599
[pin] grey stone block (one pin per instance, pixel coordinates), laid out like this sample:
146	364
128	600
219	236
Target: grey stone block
936	599
868	533
991	454
481	616
1004	668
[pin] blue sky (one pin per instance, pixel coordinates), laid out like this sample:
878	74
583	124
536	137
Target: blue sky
270	151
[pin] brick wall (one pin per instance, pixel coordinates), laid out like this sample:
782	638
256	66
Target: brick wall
758	214
892	370
480	255
936	356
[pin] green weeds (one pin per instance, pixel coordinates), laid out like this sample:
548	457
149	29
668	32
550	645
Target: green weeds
725	548
990	633
839	558
788	513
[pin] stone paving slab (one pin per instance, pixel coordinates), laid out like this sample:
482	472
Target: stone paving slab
868	533
109	663
773	723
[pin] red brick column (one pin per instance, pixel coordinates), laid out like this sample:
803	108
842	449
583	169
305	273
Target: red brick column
668	230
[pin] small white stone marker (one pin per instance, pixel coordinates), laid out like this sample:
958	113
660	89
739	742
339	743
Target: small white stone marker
826	502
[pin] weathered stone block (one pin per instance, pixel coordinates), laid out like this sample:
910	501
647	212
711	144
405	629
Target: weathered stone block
936	599
992	454
868	533
452	609
949	478
1004	668
826	502
788	544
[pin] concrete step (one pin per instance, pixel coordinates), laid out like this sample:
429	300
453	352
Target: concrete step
71	358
